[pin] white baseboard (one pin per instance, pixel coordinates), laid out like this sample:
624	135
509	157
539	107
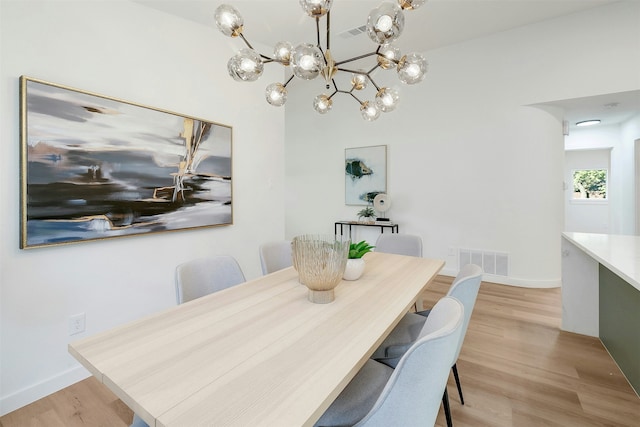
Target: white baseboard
511	281
37	391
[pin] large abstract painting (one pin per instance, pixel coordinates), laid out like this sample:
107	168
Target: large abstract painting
365	174
95	167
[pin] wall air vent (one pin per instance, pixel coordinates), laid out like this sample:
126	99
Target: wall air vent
352	32
496	263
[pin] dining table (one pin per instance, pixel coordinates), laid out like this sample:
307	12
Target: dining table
256	354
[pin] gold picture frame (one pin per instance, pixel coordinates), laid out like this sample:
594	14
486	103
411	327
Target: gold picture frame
365	174
96	167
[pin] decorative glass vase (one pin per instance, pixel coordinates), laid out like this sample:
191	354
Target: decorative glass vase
320	261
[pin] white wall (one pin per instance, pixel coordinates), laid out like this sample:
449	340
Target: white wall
626	215
127	51
470	166
462	149
586	215
620	140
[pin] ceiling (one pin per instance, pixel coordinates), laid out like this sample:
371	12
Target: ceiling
437	24
610	109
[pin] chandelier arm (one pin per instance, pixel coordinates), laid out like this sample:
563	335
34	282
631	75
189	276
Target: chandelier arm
288	80
318	32
373	82
355	58
328	30
356	98
324	56
246	41
346	70
373	69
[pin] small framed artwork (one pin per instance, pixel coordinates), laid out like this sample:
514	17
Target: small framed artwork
95	167
365	174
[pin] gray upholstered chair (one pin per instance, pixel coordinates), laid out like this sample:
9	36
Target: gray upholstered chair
275	256
410	394
465	288
401	244
138	422
202	276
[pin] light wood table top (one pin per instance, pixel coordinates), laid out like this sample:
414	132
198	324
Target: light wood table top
258	353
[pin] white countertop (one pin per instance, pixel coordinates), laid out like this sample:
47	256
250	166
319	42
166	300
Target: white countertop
620	254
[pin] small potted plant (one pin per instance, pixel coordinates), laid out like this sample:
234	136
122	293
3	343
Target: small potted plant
355	263
367	213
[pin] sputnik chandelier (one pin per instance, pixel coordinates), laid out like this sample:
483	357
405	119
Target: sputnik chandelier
307	61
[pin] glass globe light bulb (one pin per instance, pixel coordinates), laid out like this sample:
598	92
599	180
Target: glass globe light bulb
245	66
276	94
412	68
369	111
228	20
385	23
411	4
306	61
316	8
282	52
388	56
359	81
322	104
387	99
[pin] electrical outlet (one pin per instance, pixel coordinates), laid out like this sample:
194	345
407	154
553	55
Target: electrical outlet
452	252
77	323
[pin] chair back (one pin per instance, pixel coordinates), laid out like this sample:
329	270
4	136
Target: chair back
414	391
275	256
465	288
203	276
401	244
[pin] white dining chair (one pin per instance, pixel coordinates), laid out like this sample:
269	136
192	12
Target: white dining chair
410	394
275	256
202	276
465	288
138	422
199	277
401	244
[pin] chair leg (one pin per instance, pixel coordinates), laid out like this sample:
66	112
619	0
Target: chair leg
455	374
447	409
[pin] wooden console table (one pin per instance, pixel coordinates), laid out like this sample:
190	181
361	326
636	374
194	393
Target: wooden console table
381	224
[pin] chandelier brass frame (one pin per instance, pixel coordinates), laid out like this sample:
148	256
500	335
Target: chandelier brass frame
385	24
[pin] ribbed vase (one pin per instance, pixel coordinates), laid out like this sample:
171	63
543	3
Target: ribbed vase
320	261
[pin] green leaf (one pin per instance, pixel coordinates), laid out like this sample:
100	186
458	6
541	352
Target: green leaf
357	250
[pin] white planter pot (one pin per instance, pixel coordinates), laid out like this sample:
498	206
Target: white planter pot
354	269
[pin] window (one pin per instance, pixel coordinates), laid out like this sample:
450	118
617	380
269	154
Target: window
590	184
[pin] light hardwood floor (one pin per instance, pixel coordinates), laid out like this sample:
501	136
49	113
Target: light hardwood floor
516	367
